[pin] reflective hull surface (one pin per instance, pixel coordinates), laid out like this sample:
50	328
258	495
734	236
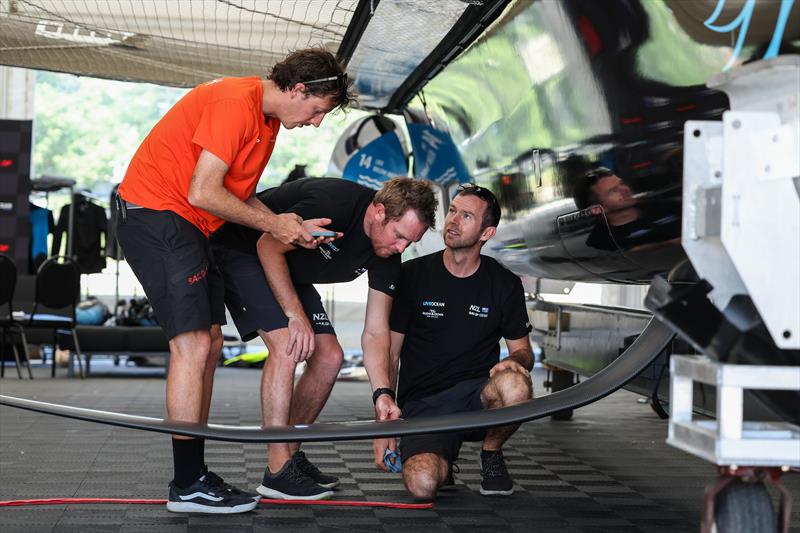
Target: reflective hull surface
556	93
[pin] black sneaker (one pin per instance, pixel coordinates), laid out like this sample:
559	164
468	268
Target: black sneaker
290	483
207	496
308	468
236	491
496	480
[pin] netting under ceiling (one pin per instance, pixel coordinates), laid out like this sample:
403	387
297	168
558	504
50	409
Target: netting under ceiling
169	42
378	69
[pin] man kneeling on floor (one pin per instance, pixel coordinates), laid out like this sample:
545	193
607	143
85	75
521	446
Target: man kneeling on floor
451	309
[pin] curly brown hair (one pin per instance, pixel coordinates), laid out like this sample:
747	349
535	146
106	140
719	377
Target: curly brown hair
321	73
400	194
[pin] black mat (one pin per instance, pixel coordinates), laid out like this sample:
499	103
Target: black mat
607	470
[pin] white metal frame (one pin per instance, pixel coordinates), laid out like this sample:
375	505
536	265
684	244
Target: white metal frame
741	202
729	440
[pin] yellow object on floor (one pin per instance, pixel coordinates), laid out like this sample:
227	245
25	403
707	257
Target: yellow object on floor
248	358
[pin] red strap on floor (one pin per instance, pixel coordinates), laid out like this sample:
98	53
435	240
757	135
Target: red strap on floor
335	503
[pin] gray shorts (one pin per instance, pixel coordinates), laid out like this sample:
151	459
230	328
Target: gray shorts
250	301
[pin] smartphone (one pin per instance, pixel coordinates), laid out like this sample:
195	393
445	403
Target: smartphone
323	234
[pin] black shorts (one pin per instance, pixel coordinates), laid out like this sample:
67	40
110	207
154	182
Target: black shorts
462	397
172	260
250	301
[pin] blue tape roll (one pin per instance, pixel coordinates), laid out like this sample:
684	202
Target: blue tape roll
387	460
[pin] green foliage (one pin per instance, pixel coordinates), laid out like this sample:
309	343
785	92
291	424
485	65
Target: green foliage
688	64
88	129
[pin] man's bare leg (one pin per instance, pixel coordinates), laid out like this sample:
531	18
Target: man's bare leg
503	389
185	392
188	353
212	360
277	386
315	385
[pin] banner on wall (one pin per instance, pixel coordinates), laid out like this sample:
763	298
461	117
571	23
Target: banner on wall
436	157
377	162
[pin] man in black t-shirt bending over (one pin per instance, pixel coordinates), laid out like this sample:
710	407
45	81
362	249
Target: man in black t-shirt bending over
451	309
269	293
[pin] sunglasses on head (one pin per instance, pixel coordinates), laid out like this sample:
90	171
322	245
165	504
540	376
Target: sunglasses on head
481	192
341	78
599	172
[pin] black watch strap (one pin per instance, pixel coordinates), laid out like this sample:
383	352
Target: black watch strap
382	390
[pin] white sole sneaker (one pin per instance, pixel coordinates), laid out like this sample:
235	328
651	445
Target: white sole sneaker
190	507
485	492
277	495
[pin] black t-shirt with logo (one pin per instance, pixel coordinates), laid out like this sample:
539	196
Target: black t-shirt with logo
453	325
345	203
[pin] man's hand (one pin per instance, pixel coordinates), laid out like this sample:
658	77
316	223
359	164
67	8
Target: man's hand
379	447
317	224
301	338
287	228
509	364
386	409
312	225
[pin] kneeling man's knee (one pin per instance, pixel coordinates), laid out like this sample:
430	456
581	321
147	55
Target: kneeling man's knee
421	485
513	387
423	473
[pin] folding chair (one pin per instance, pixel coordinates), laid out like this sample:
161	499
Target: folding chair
58	286
8	283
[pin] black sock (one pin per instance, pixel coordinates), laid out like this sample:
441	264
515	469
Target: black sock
485	454
185	461
201	453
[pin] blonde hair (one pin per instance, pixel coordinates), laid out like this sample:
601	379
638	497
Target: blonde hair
400	194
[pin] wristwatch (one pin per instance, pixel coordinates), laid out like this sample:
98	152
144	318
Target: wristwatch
382	390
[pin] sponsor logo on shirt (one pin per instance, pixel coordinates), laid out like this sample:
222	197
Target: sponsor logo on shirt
328	250
432	310
479	311
359	271
320	319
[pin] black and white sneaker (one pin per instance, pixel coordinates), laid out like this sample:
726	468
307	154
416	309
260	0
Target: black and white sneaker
308	468
236	491
291	483
207	496
496	479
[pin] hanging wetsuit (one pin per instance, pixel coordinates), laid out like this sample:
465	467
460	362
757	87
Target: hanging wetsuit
89	224
42	223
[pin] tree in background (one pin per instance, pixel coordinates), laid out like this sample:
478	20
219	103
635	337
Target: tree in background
88	129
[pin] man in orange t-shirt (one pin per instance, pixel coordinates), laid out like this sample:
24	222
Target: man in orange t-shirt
196	169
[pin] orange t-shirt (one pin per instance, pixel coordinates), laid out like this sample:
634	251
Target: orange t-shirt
223	116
